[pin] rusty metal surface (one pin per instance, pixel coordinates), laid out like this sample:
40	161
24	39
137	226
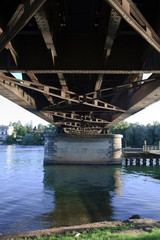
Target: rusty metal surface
82	62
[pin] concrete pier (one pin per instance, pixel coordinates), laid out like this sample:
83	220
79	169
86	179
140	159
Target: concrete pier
63	148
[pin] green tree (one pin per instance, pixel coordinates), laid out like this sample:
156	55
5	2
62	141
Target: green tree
9	140
32	139
128	137
157	133
40	127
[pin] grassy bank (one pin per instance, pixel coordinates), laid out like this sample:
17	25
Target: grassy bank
124	232
141	229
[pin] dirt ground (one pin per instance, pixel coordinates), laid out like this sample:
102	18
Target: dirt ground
140	226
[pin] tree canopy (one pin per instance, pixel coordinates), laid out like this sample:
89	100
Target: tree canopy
134	134
28	135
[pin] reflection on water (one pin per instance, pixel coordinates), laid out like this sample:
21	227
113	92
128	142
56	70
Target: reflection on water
33	196
9	158
82	193
118	182
141	185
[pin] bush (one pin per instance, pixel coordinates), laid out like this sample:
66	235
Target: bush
9	140
32	139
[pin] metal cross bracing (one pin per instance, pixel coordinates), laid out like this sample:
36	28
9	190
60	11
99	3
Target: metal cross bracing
62	94
77	118
83	131
51	25
82	61
71	116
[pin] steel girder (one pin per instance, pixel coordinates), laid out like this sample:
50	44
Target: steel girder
61	94
19	20
131	14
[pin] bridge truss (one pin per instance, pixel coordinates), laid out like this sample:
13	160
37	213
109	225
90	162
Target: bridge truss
82	61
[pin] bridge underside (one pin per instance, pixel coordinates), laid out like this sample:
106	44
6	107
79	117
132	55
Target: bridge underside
82	61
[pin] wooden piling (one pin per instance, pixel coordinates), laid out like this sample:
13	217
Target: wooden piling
157	161
138	161
126	161
133	160
144	161
153	158
151	161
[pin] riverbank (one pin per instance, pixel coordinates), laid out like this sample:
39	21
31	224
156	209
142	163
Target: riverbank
114	230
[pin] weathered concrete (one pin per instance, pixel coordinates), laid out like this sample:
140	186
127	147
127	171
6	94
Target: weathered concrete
73	149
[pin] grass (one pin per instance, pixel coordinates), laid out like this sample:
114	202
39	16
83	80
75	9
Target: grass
108	233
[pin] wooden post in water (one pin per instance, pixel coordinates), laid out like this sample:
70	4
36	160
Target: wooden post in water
131	161
151	161
157	161
144	161
126	161
138	161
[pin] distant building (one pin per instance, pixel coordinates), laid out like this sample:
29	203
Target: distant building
5	131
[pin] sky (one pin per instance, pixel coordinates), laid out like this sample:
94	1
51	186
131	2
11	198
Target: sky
10	112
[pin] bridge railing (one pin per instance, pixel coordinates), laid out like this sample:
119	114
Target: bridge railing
132	149
151	148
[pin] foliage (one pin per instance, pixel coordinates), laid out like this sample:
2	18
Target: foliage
28	135
102	234
32	139
10	140
135	134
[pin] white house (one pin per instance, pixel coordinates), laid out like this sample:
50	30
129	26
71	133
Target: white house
5	131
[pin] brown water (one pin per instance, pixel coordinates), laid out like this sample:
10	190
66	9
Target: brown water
33	196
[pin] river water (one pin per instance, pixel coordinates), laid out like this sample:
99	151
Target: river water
33	196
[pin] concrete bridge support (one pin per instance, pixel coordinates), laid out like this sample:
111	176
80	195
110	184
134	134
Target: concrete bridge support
72	149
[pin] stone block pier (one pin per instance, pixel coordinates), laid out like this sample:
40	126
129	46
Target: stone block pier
62	148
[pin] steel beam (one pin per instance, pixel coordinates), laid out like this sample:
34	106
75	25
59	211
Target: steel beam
13	27
32	76
81	131
147	94
35	79
113	26
77	118
61	94
131	14
130	79
11	49
17	95
79	125
62	81
98	82
107	92
31	106
42	22
100	71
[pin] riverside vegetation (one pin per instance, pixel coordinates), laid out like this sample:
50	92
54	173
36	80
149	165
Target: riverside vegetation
104	235
107	233
28	135
134	134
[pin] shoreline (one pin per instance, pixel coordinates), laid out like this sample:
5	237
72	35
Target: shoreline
140	226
